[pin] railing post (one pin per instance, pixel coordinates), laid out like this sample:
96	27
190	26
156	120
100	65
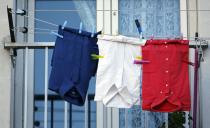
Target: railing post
52	114
65	114
46	87
70	115
26	88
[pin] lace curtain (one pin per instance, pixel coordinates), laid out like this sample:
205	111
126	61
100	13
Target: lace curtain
159	18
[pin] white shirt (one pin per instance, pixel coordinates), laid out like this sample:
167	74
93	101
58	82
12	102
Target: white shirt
118	78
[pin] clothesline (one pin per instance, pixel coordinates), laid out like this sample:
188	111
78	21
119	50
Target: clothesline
76	10
31	29
56	25
47	31
147	37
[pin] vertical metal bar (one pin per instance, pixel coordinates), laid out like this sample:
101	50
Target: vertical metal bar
200	98
197	15
126	123
26	88
45	86
166	120
65	114
103	15
52	114
195	90
186	124
86	112
116	119
89	113
146	119
111	17
188	17
30	4
70	116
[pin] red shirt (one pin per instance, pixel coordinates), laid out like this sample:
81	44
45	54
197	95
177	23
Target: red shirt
165	80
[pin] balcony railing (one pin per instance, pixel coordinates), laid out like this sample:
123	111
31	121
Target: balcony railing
52	109
51	98
46	98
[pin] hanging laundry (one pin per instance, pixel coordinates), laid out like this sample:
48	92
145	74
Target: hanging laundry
72	64
118	78
165	79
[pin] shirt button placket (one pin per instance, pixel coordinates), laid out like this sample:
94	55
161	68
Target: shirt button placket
166	61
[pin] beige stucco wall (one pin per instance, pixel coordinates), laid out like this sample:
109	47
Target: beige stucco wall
5	69
204	31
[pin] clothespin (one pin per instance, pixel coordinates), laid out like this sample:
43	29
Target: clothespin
56	34
93	32
95	57
138	25
64	24
138	58
196	36
102	32
80	28
141	61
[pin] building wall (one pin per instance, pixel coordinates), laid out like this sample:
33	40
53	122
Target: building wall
5	68
204	31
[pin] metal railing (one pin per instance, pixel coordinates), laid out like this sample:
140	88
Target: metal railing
55	98
45	97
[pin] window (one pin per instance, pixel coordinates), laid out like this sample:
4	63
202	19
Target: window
158	18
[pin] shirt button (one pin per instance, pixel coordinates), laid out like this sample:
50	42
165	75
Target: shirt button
166	46
161	92
166	59
166	71
165	42
166	85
